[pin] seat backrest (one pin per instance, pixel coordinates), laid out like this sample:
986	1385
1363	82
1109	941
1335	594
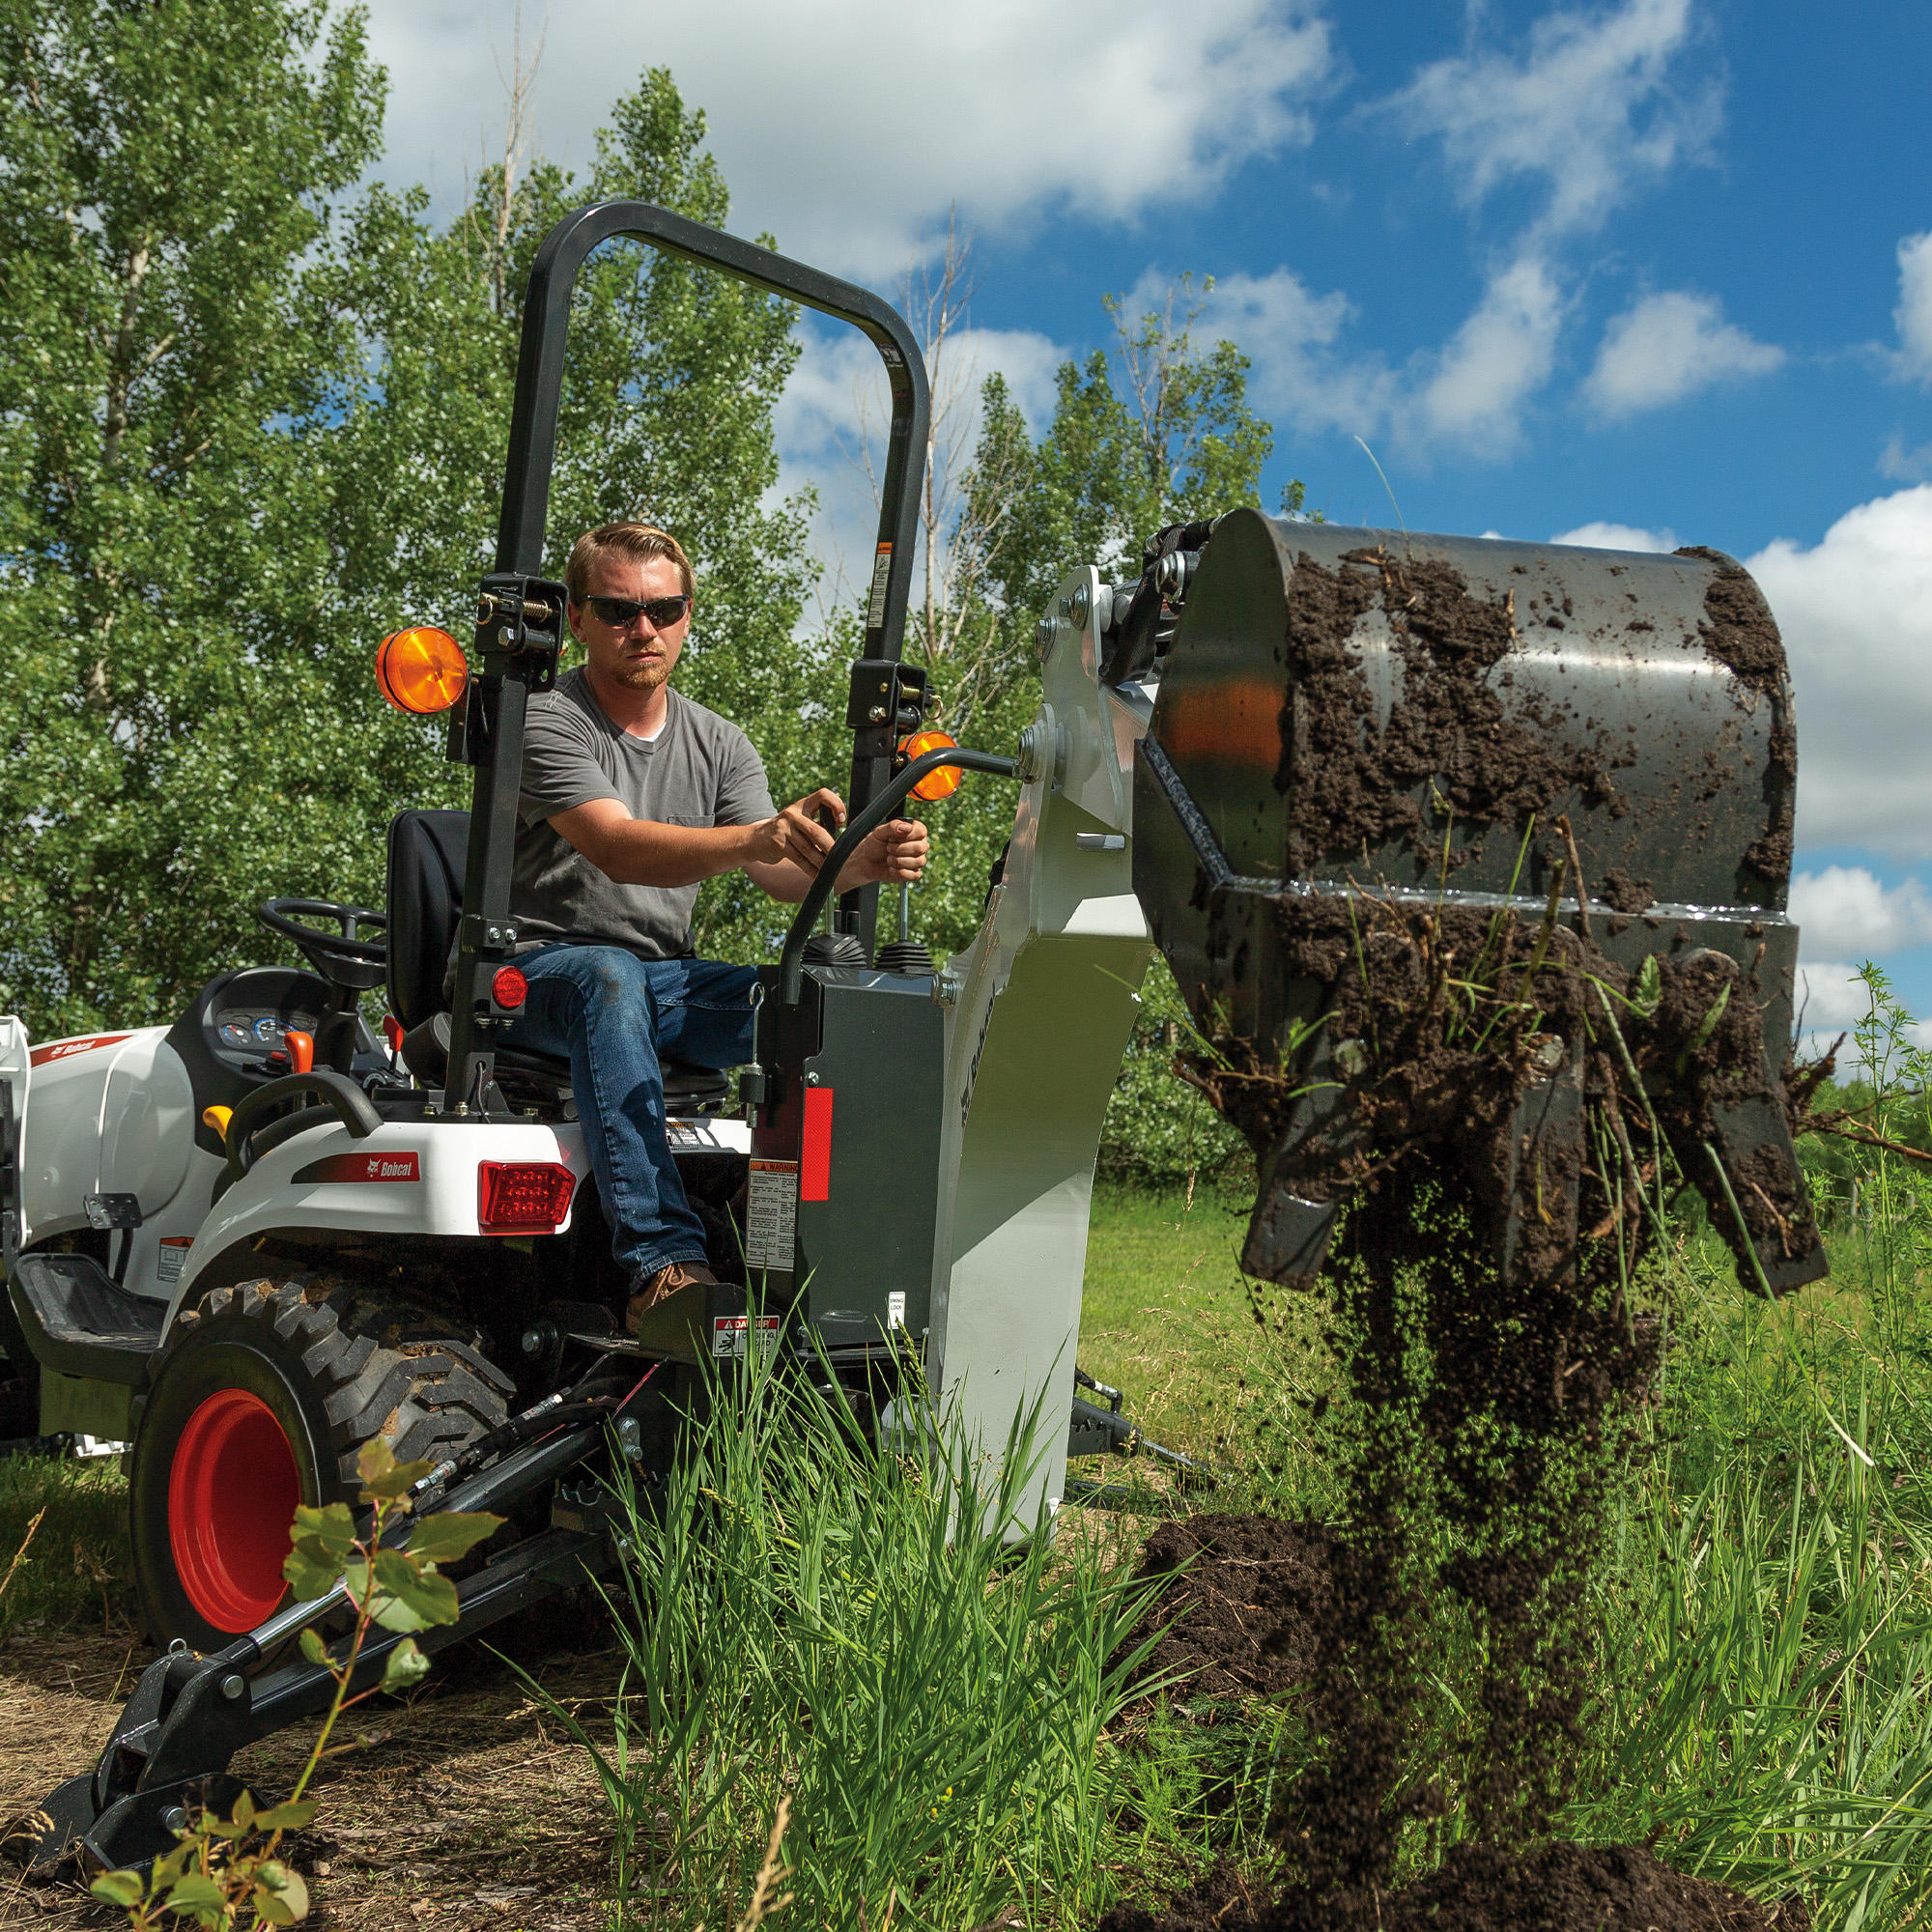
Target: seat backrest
426	852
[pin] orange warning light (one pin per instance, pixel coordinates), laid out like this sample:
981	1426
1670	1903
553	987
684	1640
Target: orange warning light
421	670
935	785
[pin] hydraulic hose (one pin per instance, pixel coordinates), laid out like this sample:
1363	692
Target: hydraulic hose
791	961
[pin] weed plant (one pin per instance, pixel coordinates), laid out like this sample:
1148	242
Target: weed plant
811	1617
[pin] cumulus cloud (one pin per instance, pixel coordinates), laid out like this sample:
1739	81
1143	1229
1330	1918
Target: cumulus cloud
1494	362
1666	346
1847	912
1855	611
846	128
1616	536
1913	313
1591	108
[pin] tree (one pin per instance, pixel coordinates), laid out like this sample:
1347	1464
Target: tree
270	439
165	175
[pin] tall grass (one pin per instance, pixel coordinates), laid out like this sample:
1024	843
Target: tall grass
1767	1716
811	1617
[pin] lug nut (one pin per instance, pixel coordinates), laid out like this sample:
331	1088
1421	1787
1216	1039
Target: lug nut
1081	609
1043	634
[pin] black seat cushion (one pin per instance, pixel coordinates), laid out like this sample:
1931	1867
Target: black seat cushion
426	855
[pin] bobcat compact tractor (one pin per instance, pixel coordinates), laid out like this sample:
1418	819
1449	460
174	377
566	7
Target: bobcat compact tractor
250	1240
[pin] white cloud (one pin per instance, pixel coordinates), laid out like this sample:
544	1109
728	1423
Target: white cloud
1587	111
1493	364
1913	313
1903	465
1846	912
1667	347
1855	611
1616	536
847	127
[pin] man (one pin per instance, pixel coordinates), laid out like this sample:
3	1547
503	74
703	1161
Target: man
632	796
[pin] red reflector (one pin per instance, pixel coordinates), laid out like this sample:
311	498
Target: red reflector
815	1167
518	1197
509	987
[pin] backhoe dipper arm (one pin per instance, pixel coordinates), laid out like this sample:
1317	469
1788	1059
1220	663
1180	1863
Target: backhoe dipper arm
517	658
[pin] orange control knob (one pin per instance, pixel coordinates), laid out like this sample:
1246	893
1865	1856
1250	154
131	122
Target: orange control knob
301	1050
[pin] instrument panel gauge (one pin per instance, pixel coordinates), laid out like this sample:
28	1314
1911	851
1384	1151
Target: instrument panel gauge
237	1032
269	1029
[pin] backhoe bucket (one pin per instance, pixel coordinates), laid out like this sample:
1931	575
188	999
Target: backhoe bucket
1470	858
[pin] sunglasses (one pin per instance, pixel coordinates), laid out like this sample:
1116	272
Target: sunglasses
620	612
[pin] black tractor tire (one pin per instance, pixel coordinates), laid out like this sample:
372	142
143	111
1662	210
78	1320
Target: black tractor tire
262	1399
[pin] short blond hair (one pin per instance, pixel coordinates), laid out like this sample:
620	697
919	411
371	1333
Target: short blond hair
640	541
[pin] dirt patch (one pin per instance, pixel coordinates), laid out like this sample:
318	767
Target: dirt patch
1453	732
1554	1887
471	1808
1240	1615
1624	895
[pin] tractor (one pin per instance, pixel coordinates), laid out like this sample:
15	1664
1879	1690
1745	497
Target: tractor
250	1241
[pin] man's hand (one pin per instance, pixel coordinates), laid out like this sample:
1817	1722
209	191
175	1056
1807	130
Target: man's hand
894	855
794	836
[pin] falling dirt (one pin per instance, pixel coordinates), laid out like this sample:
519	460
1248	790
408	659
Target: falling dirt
1506	1098
1554	1887
1238	1617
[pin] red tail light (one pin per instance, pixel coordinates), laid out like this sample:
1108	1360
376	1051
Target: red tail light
521	1197
509	987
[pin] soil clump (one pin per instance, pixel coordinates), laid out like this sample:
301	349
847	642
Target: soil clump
1554	1887
1238	1617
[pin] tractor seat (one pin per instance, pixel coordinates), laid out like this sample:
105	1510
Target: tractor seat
426	856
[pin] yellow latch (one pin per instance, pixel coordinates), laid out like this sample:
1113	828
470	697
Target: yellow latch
217	1117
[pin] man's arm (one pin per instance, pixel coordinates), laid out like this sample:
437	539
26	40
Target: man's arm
645	852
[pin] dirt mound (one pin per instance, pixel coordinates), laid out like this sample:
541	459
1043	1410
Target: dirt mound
1554	1887
1238	1615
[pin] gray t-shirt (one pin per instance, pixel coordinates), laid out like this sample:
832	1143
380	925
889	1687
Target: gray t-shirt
699	770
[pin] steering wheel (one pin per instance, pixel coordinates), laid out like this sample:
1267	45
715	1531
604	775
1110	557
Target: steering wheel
345	957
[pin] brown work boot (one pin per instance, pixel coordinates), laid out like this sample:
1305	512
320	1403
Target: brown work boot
661	1286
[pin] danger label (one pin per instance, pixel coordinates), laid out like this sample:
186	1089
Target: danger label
173	1256
732	1336
771	1214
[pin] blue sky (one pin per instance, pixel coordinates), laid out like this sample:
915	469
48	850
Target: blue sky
1661	265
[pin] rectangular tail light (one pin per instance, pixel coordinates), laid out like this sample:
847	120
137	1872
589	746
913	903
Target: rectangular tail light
523	1197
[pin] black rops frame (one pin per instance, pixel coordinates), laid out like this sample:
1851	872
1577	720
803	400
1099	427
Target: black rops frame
521	629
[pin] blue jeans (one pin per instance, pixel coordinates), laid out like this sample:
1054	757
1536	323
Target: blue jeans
612	1016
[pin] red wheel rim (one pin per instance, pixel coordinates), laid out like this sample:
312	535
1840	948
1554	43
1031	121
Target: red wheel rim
231	1497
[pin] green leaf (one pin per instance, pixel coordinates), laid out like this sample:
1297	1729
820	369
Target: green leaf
329	1530
288	1816
195	1892
406	1668
119	1887
281	1895
384	1478
450	1534
244	1812
312	1646
412	1597
308	1577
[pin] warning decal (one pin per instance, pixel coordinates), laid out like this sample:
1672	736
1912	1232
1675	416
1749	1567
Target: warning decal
730	1333
875	605
771	1214
174	1254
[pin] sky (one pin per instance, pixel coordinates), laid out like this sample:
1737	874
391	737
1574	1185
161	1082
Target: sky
1642	274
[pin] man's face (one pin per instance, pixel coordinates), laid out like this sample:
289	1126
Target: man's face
639	655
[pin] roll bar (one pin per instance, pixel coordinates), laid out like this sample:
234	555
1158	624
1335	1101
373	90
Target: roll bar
519	655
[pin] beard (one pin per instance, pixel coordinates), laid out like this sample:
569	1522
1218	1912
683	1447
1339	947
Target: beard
647	674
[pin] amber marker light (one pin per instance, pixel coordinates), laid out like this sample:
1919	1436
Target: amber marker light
935	785
421	670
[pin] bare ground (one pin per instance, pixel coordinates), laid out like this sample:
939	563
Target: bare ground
470	1808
